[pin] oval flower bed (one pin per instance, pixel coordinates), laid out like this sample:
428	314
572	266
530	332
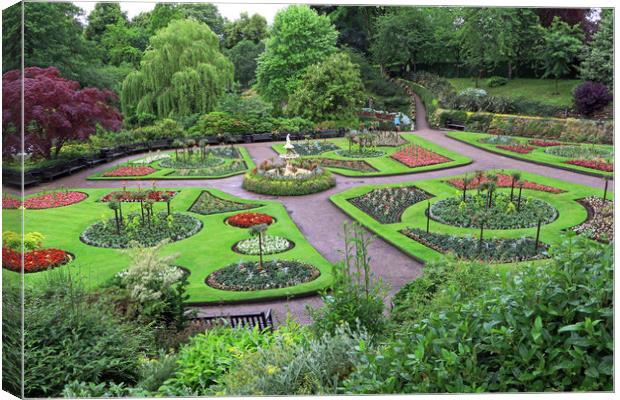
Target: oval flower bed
54	200
470	248
176	227
517	148
502	214
35	260
271	245
275	274
130	170
131	196
593	164
10	202
247	220
544	143
416	156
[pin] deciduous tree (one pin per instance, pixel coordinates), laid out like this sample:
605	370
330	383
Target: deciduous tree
558	53
598	60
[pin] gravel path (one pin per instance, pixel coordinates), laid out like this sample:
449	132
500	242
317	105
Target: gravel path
320	221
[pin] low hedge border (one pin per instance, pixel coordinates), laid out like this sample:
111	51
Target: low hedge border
253	182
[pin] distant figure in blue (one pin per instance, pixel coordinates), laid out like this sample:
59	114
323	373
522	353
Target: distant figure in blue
397	122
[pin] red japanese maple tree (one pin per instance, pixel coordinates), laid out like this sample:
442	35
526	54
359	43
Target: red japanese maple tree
55	110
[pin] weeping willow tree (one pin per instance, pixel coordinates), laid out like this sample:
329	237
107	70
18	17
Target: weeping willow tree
182	73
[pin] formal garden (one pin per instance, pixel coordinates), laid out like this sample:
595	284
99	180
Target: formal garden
307	200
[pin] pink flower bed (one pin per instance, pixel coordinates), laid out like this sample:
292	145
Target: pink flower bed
416	156
544	143
46	200
516	148
130	171
504	180
155	195
599	165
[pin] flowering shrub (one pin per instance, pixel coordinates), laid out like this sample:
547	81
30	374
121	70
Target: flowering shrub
502	215
416	156
246	220
387	205
469	248
130	196
503	180
593	164
145	232
35	260
600	222
208	203
10	202
46	200
130	171
544	143
271	245
517	148
354	165
247	276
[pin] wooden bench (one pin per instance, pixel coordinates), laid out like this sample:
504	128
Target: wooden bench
263	320
455	126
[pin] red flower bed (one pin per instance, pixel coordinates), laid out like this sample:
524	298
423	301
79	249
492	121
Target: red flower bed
544	143
53	200
130	171
504	180
516	148
246	220
128	196
600	165
416	156
9	202
35	260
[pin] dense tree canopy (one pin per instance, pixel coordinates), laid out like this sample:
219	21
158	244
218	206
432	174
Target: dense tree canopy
299	38
331	90
55	110
355	25
182	73
252	28
561	47
244	56
598	62
103	14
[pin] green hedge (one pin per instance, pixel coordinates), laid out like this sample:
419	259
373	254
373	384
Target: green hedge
256	183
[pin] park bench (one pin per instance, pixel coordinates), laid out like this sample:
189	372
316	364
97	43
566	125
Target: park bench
14	178
262	137
213	140
157	144
263	320
454	125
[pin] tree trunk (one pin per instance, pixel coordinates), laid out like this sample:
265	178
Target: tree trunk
519	201
260	251
537	235
512	189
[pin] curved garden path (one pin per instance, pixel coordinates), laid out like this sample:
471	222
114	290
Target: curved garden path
320	221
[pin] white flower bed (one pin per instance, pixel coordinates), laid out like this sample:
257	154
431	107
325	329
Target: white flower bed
271	245
150	159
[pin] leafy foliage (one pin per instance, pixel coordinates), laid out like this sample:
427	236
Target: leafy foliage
507	339
591	97
299	38
243	56
182	73
598	60
562	44
330	90
76	112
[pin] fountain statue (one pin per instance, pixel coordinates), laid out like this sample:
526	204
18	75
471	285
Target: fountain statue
289	156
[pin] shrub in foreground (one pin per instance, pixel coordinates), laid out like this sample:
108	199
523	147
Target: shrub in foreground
546	328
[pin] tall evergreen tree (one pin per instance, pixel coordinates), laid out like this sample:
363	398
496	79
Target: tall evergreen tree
182	73
598	60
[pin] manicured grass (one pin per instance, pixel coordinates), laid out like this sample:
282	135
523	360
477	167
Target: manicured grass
537	156
537	89
385	165
207	251
571	213
169	173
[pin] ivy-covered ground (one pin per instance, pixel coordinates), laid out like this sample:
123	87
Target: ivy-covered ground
594	159
220	162
206	251
379	161
410	212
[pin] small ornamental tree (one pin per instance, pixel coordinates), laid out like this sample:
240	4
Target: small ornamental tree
56	110
590	97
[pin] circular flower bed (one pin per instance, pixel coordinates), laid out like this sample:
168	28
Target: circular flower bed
35	260
130	171
176	227
360	154
247	220
502	214
54	200
277	184
271	245
275	274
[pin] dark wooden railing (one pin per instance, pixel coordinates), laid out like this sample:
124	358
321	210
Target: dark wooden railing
263	320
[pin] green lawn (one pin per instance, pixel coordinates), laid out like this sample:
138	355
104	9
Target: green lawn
169	173
538	155
203	253
534	89
385	165
571	213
